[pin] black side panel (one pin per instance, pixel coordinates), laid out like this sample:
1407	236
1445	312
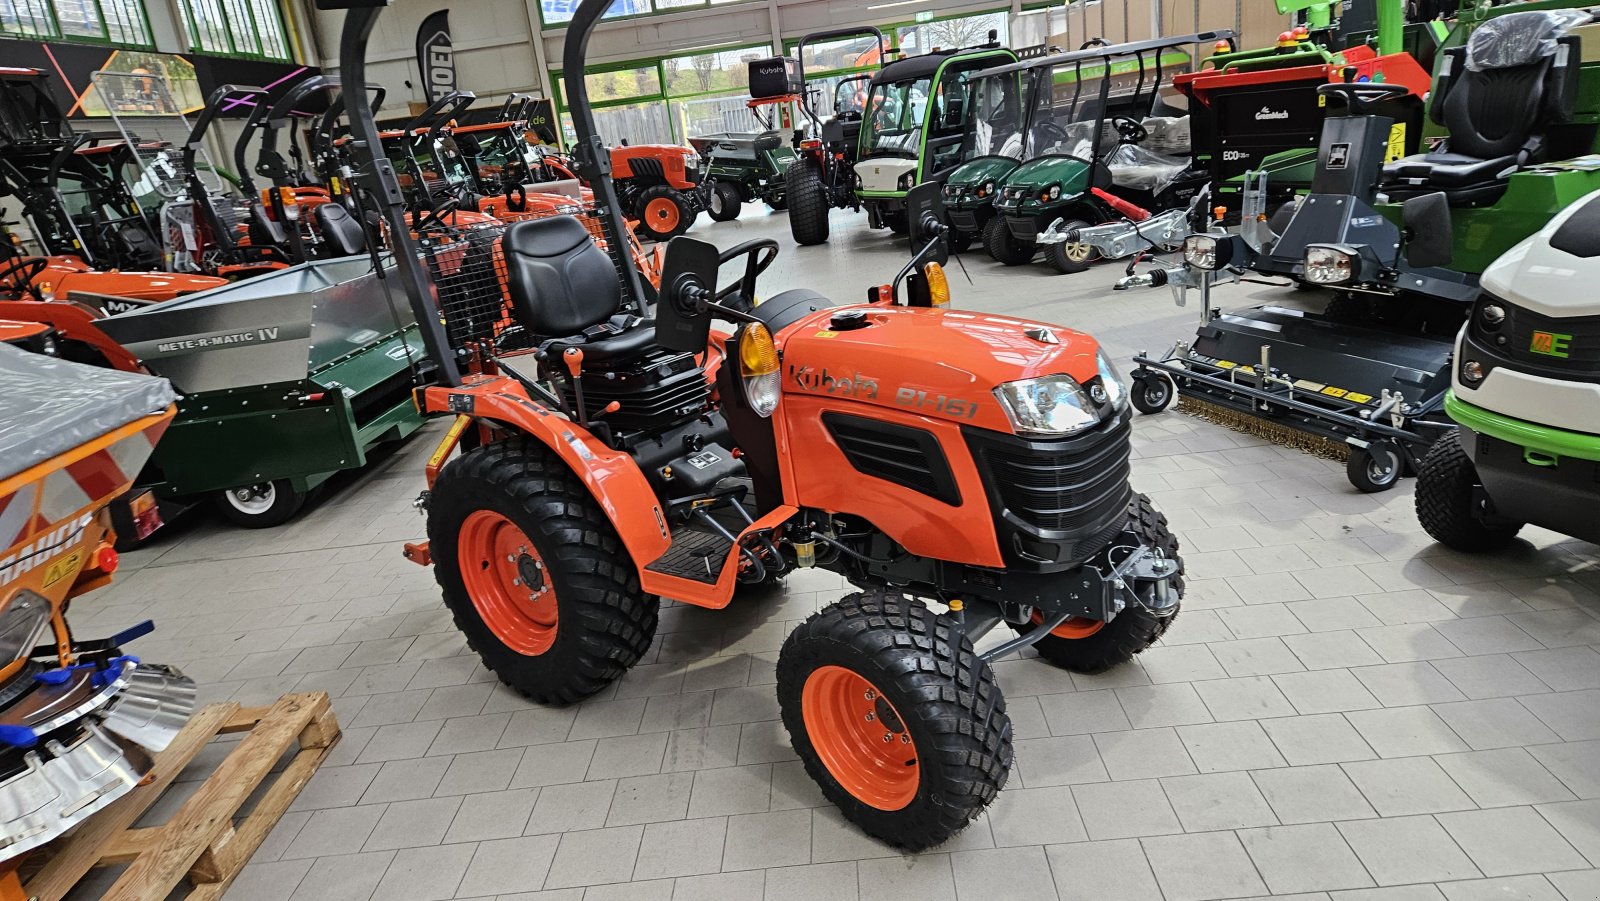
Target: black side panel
751	434
911	458
1580	234
782	310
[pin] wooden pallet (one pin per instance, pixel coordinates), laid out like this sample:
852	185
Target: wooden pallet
200	842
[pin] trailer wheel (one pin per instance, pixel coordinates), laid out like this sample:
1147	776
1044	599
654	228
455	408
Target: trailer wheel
726	203
262	505
1153	393
960	241
663	213
1069	257
1375	468
1448	502
895	716
1000	243
808	202
535	575
1089	646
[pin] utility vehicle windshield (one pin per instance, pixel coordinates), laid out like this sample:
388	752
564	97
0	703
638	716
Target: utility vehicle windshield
895	112
1065	112
996	117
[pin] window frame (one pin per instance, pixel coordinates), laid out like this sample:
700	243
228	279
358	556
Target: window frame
52	21
653	11
251	7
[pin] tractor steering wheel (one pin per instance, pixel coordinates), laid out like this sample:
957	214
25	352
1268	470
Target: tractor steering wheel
759	255
1130	130
1357	94
435	215
17	276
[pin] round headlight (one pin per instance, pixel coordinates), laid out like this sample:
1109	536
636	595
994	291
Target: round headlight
986	189
1492	315
1472	372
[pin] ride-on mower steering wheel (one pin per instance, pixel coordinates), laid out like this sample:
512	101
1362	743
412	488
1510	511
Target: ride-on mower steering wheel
435	215
16	276
1130	130
760	255
1357	94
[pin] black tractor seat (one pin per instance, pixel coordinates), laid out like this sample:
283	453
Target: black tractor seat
566	293
1497	96
341	232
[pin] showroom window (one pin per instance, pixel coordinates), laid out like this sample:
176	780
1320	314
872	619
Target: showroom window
557	13
120	22
248	28
670	100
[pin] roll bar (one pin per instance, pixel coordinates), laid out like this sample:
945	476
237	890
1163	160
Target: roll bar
816	37
202	123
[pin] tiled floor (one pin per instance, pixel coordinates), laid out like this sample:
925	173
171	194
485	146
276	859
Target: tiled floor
1344	707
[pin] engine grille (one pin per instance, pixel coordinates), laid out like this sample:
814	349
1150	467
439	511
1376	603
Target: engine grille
1067	486
1569	343
906	456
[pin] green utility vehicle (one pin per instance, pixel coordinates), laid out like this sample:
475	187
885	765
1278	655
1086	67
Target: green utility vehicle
742	167
1097	154
911	132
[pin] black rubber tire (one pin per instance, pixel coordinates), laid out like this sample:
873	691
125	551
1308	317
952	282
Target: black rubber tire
1059	256
946	694
960	241
1447	483
686	214
285	503
1375	468
605	624
997	239
1347	308
1135	628
726	203
1153	393
808	203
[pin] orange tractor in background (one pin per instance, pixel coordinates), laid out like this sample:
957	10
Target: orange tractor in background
661	185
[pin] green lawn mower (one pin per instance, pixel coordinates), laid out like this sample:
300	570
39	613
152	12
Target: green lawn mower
743	167
1526	394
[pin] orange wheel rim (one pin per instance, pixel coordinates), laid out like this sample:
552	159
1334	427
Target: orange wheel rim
662	214
1074	627
508	582
860	737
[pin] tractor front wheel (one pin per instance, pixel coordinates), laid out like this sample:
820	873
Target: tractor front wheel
725	203
895	716
535	575
1090	646
261	506
1003	246
960	241
663	213
808	202
1449	504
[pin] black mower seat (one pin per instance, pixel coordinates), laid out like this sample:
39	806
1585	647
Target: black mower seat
565	292
1498	95
340	230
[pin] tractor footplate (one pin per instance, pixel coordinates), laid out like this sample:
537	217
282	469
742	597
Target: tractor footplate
693	555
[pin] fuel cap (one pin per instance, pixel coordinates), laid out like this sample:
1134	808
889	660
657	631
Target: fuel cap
848	320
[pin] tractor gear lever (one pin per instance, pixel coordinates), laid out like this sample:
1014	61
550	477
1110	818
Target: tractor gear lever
573	357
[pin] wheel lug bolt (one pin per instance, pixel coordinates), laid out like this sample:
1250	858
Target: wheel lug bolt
887	736
871	716
872	695
905	738
516	581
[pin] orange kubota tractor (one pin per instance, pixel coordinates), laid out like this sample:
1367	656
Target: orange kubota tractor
661	185
964	471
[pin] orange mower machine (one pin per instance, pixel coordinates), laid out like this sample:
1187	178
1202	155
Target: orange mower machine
81	720
661	185
615	460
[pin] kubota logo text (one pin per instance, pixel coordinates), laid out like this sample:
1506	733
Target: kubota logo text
1552	344
852	385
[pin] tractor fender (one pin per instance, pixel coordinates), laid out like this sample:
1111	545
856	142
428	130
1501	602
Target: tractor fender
614	480
75	322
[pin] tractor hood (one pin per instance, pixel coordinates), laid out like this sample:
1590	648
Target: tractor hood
1033	178
1539	274
943	364
882	175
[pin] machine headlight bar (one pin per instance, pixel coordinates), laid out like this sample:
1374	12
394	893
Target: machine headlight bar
1202	252
1326	265
1050	406
985	189
1053	192
908	181
22	625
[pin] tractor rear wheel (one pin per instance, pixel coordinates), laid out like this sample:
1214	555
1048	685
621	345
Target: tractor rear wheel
663	213
535	575
895	716
1090	646
808	202
1070	257
1447	501
725	202
997	238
